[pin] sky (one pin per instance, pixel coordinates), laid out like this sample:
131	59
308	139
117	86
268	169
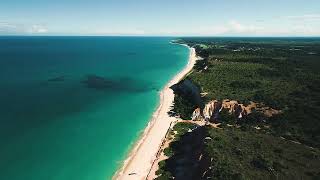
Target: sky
161	17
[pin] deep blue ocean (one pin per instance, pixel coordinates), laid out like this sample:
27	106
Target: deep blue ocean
72	107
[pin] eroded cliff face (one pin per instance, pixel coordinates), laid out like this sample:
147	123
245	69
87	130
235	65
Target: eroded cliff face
197	115
238	110
189	90
212	110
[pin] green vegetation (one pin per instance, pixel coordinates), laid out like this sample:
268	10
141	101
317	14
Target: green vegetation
238	154
281	73
177	131
234	153
183	152
183	105
187	98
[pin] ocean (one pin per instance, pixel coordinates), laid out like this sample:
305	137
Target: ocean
72	107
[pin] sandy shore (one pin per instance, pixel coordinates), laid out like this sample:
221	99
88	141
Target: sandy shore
141	158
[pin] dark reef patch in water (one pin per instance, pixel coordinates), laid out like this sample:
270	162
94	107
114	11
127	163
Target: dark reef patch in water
120	84
131	53
57	79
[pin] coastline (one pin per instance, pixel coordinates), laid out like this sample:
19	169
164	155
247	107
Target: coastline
144	152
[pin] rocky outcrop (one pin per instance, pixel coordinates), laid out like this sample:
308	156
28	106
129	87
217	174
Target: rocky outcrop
238	110
213	108
197	115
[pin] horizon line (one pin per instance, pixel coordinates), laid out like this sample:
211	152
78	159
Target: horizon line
177	36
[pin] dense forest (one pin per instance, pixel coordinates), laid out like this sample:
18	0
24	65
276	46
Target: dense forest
280	73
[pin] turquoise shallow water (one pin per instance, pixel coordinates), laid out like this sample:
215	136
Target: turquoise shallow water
56	126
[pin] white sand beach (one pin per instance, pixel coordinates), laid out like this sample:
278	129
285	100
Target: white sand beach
142	156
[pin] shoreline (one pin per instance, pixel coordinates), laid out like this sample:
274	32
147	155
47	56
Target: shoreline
141	157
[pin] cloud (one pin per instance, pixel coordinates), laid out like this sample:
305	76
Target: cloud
284	28
119	32
281	26
8	28
237	27
306	17
231	27
38	29
215	30
4	25
296	25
